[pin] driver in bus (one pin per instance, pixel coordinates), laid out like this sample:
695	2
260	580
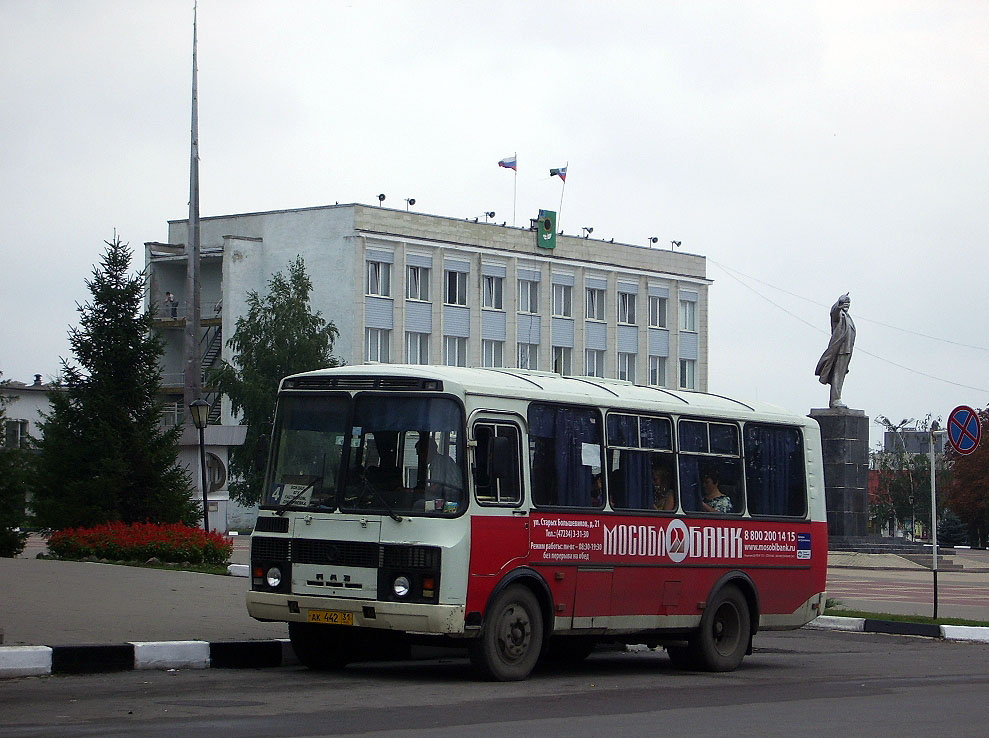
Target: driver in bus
443	477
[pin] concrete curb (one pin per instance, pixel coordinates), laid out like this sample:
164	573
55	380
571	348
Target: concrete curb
895	627
20	661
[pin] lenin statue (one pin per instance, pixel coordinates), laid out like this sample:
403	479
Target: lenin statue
833	365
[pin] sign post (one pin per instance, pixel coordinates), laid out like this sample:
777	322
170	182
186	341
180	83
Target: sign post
964	433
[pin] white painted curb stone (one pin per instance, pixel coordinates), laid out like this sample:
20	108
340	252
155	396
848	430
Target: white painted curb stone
171	655
238	570
829	622
18	661
965	633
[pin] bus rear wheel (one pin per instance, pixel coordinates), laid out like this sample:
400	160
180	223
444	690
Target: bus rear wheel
511	637
321	647
724	635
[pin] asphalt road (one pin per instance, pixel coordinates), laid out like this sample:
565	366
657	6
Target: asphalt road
795	684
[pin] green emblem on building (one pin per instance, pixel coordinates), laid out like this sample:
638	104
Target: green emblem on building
546	232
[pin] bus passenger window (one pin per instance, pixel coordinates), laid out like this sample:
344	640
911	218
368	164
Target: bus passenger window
496	463
711	480
640	475
565	455
774	470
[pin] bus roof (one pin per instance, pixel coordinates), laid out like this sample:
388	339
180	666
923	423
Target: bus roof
531	385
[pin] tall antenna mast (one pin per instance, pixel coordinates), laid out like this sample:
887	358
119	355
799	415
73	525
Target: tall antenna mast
193	362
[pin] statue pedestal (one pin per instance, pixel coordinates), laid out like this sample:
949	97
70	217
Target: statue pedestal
845	446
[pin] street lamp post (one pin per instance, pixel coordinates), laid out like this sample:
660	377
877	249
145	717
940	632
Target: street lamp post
200	415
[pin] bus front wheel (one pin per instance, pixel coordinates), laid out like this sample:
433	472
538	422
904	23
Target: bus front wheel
724	634
511	637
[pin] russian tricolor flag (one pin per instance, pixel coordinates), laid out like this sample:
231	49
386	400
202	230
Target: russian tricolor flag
509	162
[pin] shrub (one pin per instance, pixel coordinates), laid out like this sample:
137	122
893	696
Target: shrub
173	542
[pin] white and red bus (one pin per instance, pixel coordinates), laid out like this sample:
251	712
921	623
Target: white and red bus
525	514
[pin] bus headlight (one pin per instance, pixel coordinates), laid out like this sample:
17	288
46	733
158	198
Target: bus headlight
273	577
401	586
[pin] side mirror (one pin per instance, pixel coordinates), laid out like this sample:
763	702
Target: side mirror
261	453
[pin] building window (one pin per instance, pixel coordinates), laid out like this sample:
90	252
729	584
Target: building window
379	278
594	363
595	304
626	367
417	283
492	353
563	360
455	288
529	356
491	293
528	296
657	312
376	340
454	351
626	308
562	300
417	348
657	371
688	374
15	434
688	315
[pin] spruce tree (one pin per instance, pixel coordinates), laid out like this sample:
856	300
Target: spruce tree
278	336
104	454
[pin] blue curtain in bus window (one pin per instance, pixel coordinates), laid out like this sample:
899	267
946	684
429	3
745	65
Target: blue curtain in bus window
724	439
657	433
638	479
623	430
693	436
774	471
558	435
690	482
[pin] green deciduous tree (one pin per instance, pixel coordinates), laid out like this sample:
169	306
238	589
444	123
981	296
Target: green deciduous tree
104	454
278	336
14	473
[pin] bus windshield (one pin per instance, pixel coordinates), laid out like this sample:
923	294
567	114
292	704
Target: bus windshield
376	453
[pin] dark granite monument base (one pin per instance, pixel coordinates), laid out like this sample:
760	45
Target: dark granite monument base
845	445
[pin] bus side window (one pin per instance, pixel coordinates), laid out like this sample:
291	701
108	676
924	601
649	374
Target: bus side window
496	463
774	470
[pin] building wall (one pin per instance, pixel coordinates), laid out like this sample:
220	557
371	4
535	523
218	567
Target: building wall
241	252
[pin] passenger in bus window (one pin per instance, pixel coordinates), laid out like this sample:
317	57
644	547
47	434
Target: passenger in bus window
441	470
663	497
713	499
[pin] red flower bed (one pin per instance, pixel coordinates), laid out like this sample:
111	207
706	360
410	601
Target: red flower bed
172	542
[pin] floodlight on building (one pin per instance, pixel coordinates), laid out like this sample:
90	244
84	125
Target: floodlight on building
381	198
409	201
587	231
488	214
674	243
651	240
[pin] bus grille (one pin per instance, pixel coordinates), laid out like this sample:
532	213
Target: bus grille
270	549
345	553
342	553
271	525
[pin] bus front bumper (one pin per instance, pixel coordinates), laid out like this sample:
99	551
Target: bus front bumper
406	617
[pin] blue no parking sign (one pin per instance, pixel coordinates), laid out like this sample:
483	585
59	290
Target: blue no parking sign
964	429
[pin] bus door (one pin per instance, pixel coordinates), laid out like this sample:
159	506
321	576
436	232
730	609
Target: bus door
500	520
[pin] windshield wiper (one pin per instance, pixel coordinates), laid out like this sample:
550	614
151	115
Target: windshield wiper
285	505
374	491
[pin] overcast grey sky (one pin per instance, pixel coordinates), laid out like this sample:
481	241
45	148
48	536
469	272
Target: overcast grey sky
807	149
